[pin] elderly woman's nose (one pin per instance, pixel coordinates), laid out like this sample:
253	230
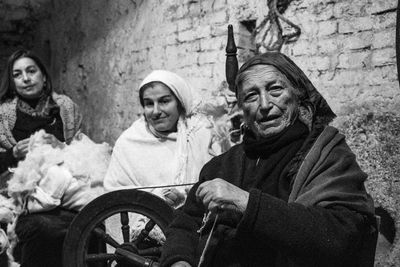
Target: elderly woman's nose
265	102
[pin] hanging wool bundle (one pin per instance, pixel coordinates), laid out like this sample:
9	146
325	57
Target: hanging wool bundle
221	109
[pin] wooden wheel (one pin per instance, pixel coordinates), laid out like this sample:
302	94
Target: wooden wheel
87	230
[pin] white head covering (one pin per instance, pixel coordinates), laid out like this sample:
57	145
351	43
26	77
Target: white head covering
182	90
186	124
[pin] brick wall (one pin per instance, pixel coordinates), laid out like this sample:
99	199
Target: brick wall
18	28
347	48
102	51
13	33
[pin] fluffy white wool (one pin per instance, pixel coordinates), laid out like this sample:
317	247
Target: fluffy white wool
220	107
7	208
43	173
85	160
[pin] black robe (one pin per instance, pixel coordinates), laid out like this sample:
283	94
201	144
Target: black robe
326	220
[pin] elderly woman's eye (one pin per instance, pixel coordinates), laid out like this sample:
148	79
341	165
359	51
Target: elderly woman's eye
275	90
251	97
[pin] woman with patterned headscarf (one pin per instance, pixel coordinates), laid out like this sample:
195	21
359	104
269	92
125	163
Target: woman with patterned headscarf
168	145
292	194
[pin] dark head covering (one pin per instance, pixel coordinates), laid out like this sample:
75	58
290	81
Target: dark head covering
310	96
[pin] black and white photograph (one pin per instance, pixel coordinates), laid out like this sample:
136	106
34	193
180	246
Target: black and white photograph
199	133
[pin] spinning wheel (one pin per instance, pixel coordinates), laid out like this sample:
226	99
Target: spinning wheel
88	229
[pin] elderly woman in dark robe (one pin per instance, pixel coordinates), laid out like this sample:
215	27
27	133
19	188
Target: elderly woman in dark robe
291	194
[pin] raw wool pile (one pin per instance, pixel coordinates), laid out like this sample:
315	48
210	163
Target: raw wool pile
372	131
8	210
31	170
221	108
85	160
88	160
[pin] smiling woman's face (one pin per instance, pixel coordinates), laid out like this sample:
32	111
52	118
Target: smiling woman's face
267	99
28	78
161	107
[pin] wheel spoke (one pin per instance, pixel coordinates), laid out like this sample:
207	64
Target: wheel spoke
100	257
125	226
156	251
134	259
145	232
105	237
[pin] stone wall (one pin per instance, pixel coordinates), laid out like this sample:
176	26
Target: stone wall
13	32
18	20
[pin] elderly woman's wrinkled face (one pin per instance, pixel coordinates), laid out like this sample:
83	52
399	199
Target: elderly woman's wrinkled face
268	100
28	78
161	108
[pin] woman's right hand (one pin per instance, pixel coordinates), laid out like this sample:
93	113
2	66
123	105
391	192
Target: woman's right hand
181	264
21	149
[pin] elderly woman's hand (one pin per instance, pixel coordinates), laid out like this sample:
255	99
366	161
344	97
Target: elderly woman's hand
218	194
21	149
173	197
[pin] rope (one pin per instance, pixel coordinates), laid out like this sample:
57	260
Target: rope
274	28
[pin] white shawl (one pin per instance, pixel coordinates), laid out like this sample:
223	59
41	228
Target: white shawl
140	158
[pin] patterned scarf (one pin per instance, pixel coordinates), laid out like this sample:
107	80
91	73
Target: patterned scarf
44	108
69	113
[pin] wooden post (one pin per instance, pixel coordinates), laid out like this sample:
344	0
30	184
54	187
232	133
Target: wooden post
231	64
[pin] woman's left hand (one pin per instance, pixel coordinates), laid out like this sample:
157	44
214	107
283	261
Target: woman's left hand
173	197
53	141
218	194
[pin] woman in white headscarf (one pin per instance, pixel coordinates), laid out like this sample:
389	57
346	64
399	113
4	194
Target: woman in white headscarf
168	145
